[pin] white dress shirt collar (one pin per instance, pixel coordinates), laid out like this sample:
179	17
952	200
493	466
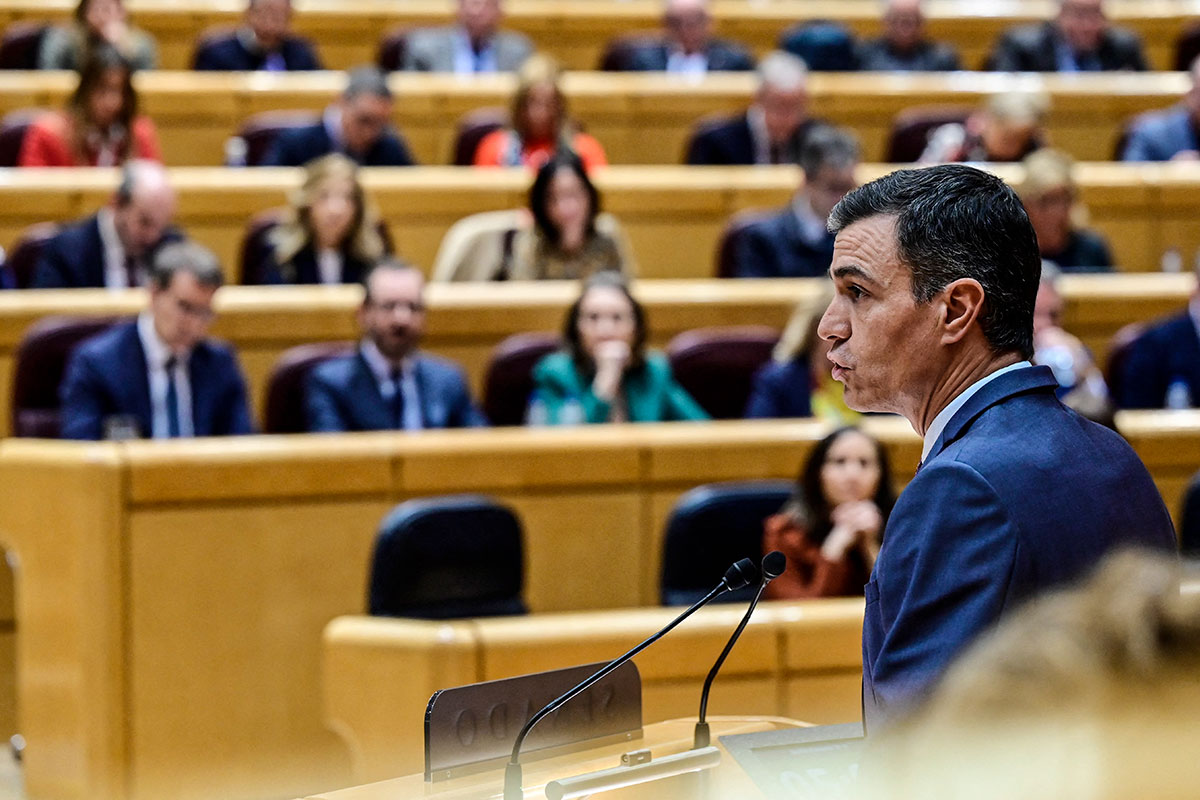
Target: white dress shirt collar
946	414
157	355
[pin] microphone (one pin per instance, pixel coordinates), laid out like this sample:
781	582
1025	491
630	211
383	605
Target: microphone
773	565
739	574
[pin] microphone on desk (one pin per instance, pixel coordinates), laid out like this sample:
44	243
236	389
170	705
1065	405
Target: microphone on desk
773	565
739	574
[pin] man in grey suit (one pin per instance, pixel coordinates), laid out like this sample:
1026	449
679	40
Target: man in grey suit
1172	134
475	44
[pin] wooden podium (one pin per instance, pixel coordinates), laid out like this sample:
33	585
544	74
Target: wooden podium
723	779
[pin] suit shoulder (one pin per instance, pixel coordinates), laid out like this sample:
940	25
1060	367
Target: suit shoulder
335	371
442	367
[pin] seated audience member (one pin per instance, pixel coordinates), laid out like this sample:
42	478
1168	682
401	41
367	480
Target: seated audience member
1007	128
604	372
474	44
1171	134
390	384
772	130
795	243
1078	39
159	376
1089	691
903	45
263	42
100	126
565	240
331	231
96	22
832	527
114	247
540	125
1049	195
688	46
797	382
358	125
1162	369
1081	384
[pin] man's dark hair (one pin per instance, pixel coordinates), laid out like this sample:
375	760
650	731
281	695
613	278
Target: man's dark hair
366	80
952	222
539	195
827	146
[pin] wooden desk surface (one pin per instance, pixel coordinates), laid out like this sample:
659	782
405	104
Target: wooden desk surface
347	32
640	118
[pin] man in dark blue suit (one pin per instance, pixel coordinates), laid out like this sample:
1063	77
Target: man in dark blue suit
936	273
794	243
772	130
158	376
1162	369
688	46
265	42
358	125
389	384
113	247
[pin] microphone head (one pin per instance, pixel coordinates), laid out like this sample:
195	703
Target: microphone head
773	565
741	573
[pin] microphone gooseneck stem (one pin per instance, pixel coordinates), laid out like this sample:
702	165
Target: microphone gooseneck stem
701	738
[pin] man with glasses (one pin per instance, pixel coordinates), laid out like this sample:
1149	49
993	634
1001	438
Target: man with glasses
159	376
1078	39
389	384
358	126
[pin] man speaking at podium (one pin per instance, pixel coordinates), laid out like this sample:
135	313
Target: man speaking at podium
936	272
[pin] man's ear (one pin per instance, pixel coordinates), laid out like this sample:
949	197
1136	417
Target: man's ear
962	301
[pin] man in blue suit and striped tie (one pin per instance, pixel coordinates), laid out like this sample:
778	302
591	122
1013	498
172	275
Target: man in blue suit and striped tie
389	384
159	376
936	272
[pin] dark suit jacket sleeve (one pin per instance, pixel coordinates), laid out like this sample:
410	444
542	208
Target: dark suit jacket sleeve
1009	55
303	56
235	411
211	57
80	395
51	270
321	405
285	151
397	152
957	548
1143	377
752	255
700	149
463	411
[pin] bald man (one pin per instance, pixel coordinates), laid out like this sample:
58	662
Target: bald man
113	247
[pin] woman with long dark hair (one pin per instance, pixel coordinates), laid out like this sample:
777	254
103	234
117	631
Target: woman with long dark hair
832	527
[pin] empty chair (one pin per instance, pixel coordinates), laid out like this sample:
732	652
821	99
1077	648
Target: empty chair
1187	47
285	386
445	557
619	52
825	46
256	252
711	527
475	247
509	379
728	244
912	126
23	258
392	49
20	44
260	131
40	363
717	365
12	133
471	128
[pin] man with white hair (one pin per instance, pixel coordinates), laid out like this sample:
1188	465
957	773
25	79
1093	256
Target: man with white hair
772	131
903	45
688	46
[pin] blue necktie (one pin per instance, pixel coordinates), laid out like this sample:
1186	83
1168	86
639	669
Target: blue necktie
173	429
397	400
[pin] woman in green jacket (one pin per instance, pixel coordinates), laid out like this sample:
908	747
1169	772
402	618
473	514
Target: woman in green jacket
603	373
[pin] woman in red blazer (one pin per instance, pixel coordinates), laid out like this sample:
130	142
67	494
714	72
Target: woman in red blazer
100	126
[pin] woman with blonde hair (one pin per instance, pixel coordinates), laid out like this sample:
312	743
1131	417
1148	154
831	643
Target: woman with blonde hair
331	233
540	126
1050	197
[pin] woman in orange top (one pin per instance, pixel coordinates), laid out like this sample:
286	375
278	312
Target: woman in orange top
539	124
831	529
100	126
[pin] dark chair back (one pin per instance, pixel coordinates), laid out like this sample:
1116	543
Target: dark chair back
256	250
1187	47
727	245
711	527
509	378
471	128
20	44
23	258
912	126
618	53
717	365
446	557
392	49
1119	348
260	131
825	46
12	133
287	381
40	363
1189	519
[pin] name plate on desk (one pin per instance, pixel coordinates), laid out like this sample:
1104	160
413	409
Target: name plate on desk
818	763
470	727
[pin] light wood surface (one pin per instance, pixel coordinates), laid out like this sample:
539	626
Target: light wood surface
795	659
640	118
466	321
674	215
347	31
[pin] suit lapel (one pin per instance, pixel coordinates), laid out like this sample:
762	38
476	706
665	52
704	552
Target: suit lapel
365	390
1011	384
135	378
94	268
